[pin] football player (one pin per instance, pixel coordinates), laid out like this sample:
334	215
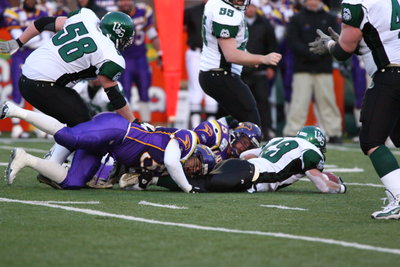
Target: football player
17	20
223	55
370	28
83	47
137	68
129	143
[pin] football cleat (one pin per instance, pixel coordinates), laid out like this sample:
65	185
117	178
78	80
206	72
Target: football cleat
17	162
136	181
391	211
99	183
129	179
4	110
18	132
44	180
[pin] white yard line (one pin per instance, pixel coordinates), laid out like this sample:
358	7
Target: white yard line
208	228
25	148
282	207
347	170
69	202
360	184
161	205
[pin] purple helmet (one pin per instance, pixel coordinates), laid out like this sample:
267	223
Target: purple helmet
249	129
207	161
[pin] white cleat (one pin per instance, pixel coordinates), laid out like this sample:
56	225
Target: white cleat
391	211
17	162
18	133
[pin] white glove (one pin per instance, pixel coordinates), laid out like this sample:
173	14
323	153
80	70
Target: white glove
322	43
9	47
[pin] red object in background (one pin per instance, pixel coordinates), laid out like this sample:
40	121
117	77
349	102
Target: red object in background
170	31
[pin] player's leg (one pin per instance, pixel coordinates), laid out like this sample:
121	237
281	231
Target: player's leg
20	159
59	102
300	101
378	116
142	79
232	175
96	135
39	120
231	93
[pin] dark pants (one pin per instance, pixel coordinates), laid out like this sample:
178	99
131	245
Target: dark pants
231	93
258	84
59	102
380	111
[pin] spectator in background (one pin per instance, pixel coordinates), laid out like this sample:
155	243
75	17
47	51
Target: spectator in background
17	19
91	4
56	8
312	77
137	68
261	41
223	56
193	25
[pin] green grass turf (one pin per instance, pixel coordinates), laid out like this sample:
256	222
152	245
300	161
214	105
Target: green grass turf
43	236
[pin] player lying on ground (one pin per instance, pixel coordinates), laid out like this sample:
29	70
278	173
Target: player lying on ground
129	143
225	141
280	163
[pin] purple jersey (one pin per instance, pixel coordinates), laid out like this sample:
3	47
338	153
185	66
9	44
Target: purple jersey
128	143
142	148
215	135
142	17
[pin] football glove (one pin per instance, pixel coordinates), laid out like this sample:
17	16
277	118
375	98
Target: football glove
334	35
9	47
322	43
195	190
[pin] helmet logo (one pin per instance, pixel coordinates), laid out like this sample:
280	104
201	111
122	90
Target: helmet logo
319	137
119	31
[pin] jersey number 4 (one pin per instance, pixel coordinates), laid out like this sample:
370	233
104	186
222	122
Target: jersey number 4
72	50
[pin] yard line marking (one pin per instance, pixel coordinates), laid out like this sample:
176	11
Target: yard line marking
69	202
360	184
281	207
4	164
356	169
209	228
161	205
26	149
371	185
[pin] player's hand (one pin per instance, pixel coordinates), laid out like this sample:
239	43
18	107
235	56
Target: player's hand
195	190
321	44
9	47
334	35
272	59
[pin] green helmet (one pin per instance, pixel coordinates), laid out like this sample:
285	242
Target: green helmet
313	135
118	27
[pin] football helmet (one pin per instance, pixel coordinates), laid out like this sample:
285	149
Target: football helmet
118	27
238	4
314	135
207	161
245	129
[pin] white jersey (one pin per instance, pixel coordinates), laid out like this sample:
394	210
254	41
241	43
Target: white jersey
76	52
380	23
221	20
283	161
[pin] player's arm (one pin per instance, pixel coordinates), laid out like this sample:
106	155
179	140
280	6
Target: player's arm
172	161
237	56
322	182
117	100
251	153
53	24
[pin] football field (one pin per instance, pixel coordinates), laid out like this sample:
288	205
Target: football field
298	226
